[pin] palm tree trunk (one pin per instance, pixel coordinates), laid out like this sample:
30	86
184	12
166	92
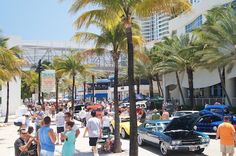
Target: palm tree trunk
222	79
117	146
93	88
84	91
191	89
73	94
7	110
150	86
133	123
179	86
159	85
138	84
57	92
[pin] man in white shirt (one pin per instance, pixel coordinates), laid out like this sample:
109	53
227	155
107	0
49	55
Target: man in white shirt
60	123
82	116
106	122
94	130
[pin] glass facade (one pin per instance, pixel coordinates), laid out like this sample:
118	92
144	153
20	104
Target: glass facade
195	24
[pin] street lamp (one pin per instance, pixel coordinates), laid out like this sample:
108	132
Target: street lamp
39	69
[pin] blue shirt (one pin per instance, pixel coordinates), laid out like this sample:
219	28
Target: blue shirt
45	141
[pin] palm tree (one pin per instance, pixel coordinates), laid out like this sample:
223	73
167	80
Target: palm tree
144	67
72	66
162	51
29	83
119	10
184	57
111	36
10	67
219	35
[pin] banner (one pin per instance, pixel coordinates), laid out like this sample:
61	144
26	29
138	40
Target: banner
48	80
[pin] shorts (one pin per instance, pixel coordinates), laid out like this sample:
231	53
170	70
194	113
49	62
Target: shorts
60	129
18	123
227	148
46	153
106	130
93	141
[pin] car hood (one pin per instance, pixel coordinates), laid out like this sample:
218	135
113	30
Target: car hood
207	112
186	122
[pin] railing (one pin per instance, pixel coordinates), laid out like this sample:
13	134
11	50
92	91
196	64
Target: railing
203	101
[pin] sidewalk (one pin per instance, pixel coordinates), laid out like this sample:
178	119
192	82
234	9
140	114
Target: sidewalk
9	134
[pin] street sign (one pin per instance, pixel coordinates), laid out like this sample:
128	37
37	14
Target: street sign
48	84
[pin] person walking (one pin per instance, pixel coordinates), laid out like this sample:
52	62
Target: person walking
60	123
47	138
106	123
68	148
226	133
82	116
165	115
94	130
75	128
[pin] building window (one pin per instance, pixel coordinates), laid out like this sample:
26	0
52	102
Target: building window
195	24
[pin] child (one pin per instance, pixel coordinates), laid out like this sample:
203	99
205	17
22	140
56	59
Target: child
68	148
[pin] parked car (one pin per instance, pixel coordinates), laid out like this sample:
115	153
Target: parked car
124	126
140	104
177	134
212	117
182	113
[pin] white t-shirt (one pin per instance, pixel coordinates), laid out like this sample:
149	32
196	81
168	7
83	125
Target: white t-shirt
60	121
105	121
20	119
82	114
94	126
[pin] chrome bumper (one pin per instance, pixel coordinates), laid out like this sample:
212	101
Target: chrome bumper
188	147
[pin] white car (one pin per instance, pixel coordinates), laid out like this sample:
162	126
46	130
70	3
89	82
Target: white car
182	113
140	104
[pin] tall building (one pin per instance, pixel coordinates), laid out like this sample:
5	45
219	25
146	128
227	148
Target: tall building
157	26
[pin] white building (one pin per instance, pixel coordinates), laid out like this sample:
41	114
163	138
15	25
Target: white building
156	27
207	84
14	96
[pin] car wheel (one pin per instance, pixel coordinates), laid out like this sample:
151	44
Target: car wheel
164	149
199	151
140	141
123	133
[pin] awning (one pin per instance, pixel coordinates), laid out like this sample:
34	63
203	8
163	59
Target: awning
101	95
88	95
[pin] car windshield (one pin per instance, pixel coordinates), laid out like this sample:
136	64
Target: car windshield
215	110
182	113
124	119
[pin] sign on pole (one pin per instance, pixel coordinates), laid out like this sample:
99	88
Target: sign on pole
48	84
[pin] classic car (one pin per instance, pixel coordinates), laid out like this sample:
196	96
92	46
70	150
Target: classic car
212	117
124	126
177	134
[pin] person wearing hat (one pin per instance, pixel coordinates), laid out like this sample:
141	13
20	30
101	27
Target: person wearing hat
21	148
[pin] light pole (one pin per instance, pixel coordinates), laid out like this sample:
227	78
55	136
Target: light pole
39	69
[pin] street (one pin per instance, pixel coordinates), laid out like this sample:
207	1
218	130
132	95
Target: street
8	135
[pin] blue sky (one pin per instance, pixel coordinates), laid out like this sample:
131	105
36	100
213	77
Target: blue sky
37	19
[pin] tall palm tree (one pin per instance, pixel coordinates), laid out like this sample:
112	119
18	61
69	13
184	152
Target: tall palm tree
10	65
110	11
162	51
219	35
72	66
113	36
186	58
29	83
